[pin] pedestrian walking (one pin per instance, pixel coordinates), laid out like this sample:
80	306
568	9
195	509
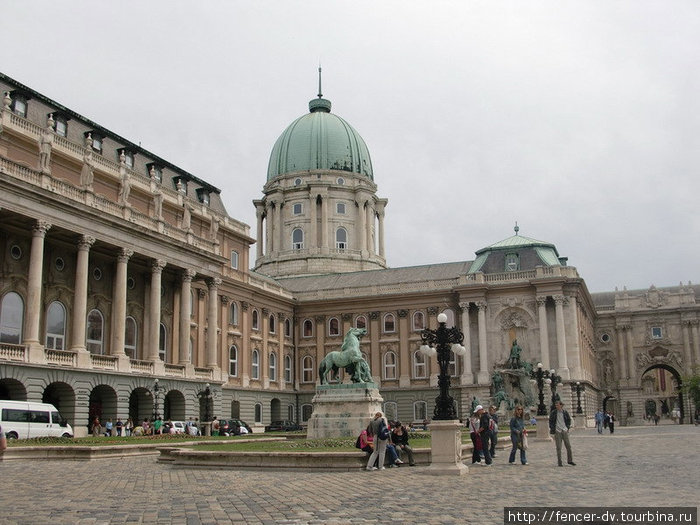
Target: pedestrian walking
96	427
611	422
559	425
599	417
381	435
517	433
493	431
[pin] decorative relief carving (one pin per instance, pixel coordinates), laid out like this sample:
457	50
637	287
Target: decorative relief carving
245	305
374	315
403	313
201	293
672	358
655	298
513	320
432	310
346	317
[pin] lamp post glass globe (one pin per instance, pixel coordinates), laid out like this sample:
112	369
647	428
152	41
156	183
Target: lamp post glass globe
442	318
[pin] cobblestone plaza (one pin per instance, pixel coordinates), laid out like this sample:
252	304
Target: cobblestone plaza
636	466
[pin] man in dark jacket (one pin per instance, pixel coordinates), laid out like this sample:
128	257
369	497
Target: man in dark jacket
559	425
485	432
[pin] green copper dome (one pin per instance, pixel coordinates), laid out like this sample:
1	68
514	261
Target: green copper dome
319	140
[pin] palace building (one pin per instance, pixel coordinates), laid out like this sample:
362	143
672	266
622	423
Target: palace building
125	288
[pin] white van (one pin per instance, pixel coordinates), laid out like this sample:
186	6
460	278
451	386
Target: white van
24	419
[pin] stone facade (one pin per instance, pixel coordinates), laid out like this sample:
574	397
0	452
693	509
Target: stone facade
117	268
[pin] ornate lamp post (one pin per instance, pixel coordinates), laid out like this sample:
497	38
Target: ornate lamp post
540	375
444	339
554	381
445	430
578	398
205	396
156	394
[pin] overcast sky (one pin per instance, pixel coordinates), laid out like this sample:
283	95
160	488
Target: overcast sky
578	120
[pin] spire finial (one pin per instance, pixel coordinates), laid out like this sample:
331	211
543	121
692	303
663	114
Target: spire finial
517	228
320	92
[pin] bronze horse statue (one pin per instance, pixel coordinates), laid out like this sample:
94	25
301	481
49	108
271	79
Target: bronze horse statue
349	357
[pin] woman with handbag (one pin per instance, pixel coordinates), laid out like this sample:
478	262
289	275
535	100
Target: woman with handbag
518	436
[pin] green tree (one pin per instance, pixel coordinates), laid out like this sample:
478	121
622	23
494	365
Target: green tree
691	386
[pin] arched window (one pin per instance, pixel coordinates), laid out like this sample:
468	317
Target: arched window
273	366
233	361
391	411
255	320
272	324
420	411
452	368
291	416
258	412
333	326
420	370
450	318
307	369
288	369
161	342
11	318
418	321
255	365
389	323
233	314
287	328
341	239
361	322
130	337
306	411
56	326
297	239
390	365
95	332
308	330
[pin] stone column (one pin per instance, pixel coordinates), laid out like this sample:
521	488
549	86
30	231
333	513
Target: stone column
404	363
80	297
544	330
563	370
369	222
687	352
381	234
244	353
622	357
259	216
324	224
631	361
212	326
264	350
696	342
467	376
361	230
312	243
154	317
35	283
280	228
483	377
119	310
268	229
185	315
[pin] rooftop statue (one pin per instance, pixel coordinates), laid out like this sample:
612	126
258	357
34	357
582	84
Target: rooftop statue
349	357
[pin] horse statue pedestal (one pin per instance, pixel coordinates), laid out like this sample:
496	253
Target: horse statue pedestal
343	410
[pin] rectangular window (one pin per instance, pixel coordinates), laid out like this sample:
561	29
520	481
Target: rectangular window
97	144
19	106
297	209
61	126
234	259
656	332
203	197
340	208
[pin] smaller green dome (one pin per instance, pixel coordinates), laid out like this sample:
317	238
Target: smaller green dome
319	140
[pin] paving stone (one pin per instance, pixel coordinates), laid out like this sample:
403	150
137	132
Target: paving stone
636	466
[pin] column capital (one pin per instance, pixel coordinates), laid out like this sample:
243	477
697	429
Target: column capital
266	311
560	299
214	282
346	317
124	255
224	299
481	305
541	300
374	315
432	310
85	242
320	318
464	305
201	293
245	305
41	227
187	275
157	265
403	313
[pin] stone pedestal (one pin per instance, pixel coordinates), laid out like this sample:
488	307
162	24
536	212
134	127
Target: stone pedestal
543	428
446	449
343	410
579	421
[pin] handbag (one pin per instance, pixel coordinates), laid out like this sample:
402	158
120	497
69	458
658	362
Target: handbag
524	440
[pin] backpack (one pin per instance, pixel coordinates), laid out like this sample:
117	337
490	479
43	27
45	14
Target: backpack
357	443
384	432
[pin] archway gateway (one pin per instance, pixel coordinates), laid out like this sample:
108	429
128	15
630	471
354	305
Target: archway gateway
661	388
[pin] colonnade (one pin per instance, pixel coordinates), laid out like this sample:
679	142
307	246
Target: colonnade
152	316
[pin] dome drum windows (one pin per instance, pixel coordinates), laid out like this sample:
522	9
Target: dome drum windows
341	239
297	239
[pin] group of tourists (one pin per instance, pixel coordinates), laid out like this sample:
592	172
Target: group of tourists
605	420
148	427
385	441
483	431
